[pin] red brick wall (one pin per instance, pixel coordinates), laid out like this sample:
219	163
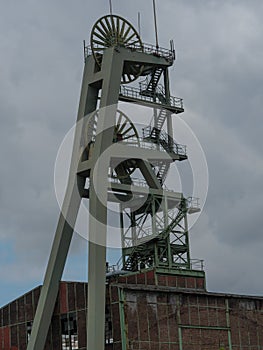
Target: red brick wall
168	280
156	319
156	314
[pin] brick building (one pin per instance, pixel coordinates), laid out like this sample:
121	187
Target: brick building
148	310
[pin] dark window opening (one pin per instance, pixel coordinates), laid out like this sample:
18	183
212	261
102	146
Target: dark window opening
28	330
69	332
108	327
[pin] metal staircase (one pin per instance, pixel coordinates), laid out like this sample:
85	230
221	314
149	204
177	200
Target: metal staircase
151	84
161	118
160	137
176	151
162	172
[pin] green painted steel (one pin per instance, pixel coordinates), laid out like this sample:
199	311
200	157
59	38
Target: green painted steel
178	319
64	229
228	325
166	245
205	327
122	319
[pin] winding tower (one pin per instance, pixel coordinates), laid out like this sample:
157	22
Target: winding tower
115	161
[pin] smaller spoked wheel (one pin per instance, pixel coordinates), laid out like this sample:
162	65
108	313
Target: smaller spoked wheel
125	131
110	31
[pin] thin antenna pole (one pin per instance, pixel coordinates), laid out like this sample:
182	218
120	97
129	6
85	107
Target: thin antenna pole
84	50
155	24
139	23
110	7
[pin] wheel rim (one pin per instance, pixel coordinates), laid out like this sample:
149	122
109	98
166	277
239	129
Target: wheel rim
124	131
111	31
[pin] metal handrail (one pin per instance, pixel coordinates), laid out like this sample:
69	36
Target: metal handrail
145	83
149	49
138	182
193	203
175	148
136	93
195	264
172	146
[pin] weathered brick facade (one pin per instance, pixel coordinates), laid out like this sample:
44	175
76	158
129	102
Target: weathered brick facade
147	311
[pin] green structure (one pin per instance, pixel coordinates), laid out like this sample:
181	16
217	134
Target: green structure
114	161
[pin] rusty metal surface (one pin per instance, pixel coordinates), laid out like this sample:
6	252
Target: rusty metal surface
155	317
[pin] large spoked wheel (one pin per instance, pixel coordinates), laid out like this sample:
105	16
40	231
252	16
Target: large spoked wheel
111	31
124	131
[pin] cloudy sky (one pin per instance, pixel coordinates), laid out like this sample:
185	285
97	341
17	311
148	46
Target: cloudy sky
219	73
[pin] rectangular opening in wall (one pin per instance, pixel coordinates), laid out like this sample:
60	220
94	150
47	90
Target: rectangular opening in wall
69	332
28	330
108	326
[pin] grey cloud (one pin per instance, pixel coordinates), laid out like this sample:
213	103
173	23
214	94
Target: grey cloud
218	73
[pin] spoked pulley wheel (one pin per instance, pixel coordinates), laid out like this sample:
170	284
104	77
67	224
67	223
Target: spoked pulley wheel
124	131
112	30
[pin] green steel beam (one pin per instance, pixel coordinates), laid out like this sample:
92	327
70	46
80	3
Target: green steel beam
204	327
122	319
65	226
178	319
228	325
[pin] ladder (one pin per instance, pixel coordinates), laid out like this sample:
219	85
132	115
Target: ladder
153	82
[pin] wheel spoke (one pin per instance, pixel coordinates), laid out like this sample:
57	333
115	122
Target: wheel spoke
122	29
102	31
104	27
123	126
126	33
129	137
130	77
130	37
99	42
124	78
99	36
118	29
113	27
119	120
108	24
129	129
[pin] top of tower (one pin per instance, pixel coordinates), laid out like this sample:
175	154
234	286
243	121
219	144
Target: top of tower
115	31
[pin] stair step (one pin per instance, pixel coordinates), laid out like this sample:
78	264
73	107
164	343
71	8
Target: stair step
156	75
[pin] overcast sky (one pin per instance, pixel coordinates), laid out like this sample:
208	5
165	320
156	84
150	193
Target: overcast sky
218	72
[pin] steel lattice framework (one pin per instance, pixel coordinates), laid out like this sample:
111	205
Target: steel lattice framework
153	219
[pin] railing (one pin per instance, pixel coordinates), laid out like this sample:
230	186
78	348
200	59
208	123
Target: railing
135	181
142	143
138	182
193	203
195	264
149	49
160	137
145	83
136	93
